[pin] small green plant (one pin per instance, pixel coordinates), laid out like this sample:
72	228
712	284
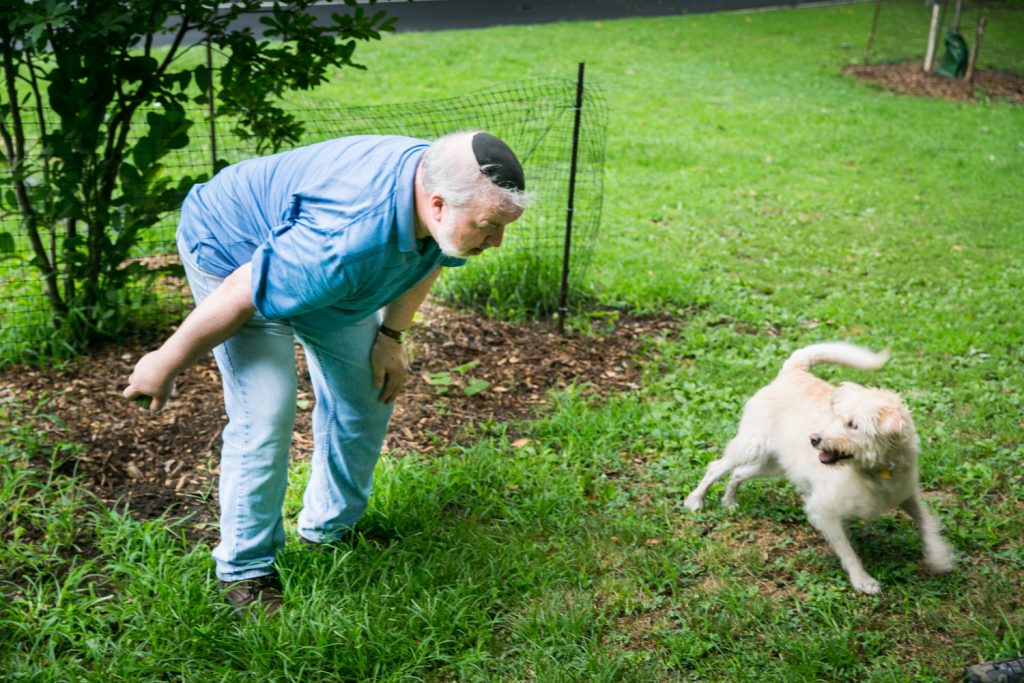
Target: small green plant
457	377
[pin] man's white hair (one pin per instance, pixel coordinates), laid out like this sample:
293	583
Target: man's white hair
450	170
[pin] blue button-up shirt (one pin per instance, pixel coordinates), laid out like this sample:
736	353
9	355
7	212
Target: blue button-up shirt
329	228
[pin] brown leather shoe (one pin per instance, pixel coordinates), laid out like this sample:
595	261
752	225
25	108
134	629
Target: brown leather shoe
249	596
333	543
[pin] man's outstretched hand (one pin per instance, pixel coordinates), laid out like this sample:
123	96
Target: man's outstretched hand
151	382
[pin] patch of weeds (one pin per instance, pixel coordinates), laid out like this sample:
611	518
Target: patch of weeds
519	285
457	378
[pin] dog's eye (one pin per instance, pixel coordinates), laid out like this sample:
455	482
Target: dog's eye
850	424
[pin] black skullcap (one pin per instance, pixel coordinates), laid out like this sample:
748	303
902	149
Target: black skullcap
498	162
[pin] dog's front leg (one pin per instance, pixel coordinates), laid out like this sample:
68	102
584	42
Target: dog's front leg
937	555
831	527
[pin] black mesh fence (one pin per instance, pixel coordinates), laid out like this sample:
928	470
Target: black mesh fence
536	118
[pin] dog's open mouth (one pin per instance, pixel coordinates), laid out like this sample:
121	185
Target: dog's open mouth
832	457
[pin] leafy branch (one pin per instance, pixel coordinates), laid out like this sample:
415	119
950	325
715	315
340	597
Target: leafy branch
85	173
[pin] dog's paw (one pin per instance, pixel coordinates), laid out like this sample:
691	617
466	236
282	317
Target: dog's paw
940	563
729	502
694	503
866	584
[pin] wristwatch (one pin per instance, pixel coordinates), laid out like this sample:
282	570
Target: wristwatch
394	334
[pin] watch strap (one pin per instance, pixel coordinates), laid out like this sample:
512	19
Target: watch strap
394	334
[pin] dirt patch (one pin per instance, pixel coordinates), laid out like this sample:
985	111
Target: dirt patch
465	369
911	79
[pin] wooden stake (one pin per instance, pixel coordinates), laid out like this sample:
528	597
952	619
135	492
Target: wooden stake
973	59
956	16
933	31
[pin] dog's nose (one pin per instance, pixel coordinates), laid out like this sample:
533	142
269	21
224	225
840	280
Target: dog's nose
815	440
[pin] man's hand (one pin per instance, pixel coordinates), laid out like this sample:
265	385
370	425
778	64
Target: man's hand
152	378
213	321
390	367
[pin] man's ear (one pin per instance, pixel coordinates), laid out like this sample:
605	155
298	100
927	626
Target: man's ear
436	206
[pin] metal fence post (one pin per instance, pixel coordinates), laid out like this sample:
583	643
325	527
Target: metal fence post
570	207
210	106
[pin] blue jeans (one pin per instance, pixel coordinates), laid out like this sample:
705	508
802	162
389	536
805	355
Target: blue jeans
257	367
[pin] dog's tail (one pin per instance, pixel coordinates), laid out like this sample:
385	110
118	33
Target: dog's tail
839	353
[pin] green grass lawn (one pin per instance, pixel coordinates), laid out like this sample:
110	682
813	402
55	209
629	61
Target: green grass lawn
771	203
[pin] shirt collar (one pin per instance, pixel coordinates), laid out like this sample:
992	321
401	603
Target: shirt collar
405	199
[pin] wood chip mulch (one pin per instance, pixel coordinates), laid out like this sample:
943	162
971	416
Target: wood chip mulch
465	369
911	79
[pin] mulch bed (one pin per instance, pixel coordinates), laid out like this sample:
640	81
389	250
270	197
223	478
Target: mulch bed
911	79
166	463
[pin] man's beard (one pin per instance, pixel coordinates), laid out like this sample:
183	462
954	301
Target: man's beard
444	241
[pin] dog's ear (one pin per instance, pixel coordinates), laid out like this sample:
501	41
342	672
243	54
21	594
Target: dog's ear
840	392
890	420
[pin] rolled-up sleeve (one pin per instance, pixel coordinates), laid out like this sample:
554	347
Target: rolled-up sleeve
298	269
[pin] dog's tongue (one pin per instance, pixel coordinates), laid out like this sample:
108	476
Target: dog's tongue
827	458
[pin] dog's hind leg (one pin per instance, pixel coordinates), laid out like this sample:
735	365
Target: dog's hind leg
937	555
715	471
831	527
738	452
764	469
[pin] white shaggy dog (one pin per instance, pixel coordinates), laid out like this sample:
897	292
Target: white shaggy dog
851	451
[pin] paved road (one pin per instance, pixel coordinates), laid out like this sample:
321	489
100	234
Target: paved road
438	15
435	15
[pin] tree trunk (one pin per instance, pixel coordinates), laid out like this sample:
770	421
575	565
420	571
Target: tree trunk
874	25
70	235
973	60
42	263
